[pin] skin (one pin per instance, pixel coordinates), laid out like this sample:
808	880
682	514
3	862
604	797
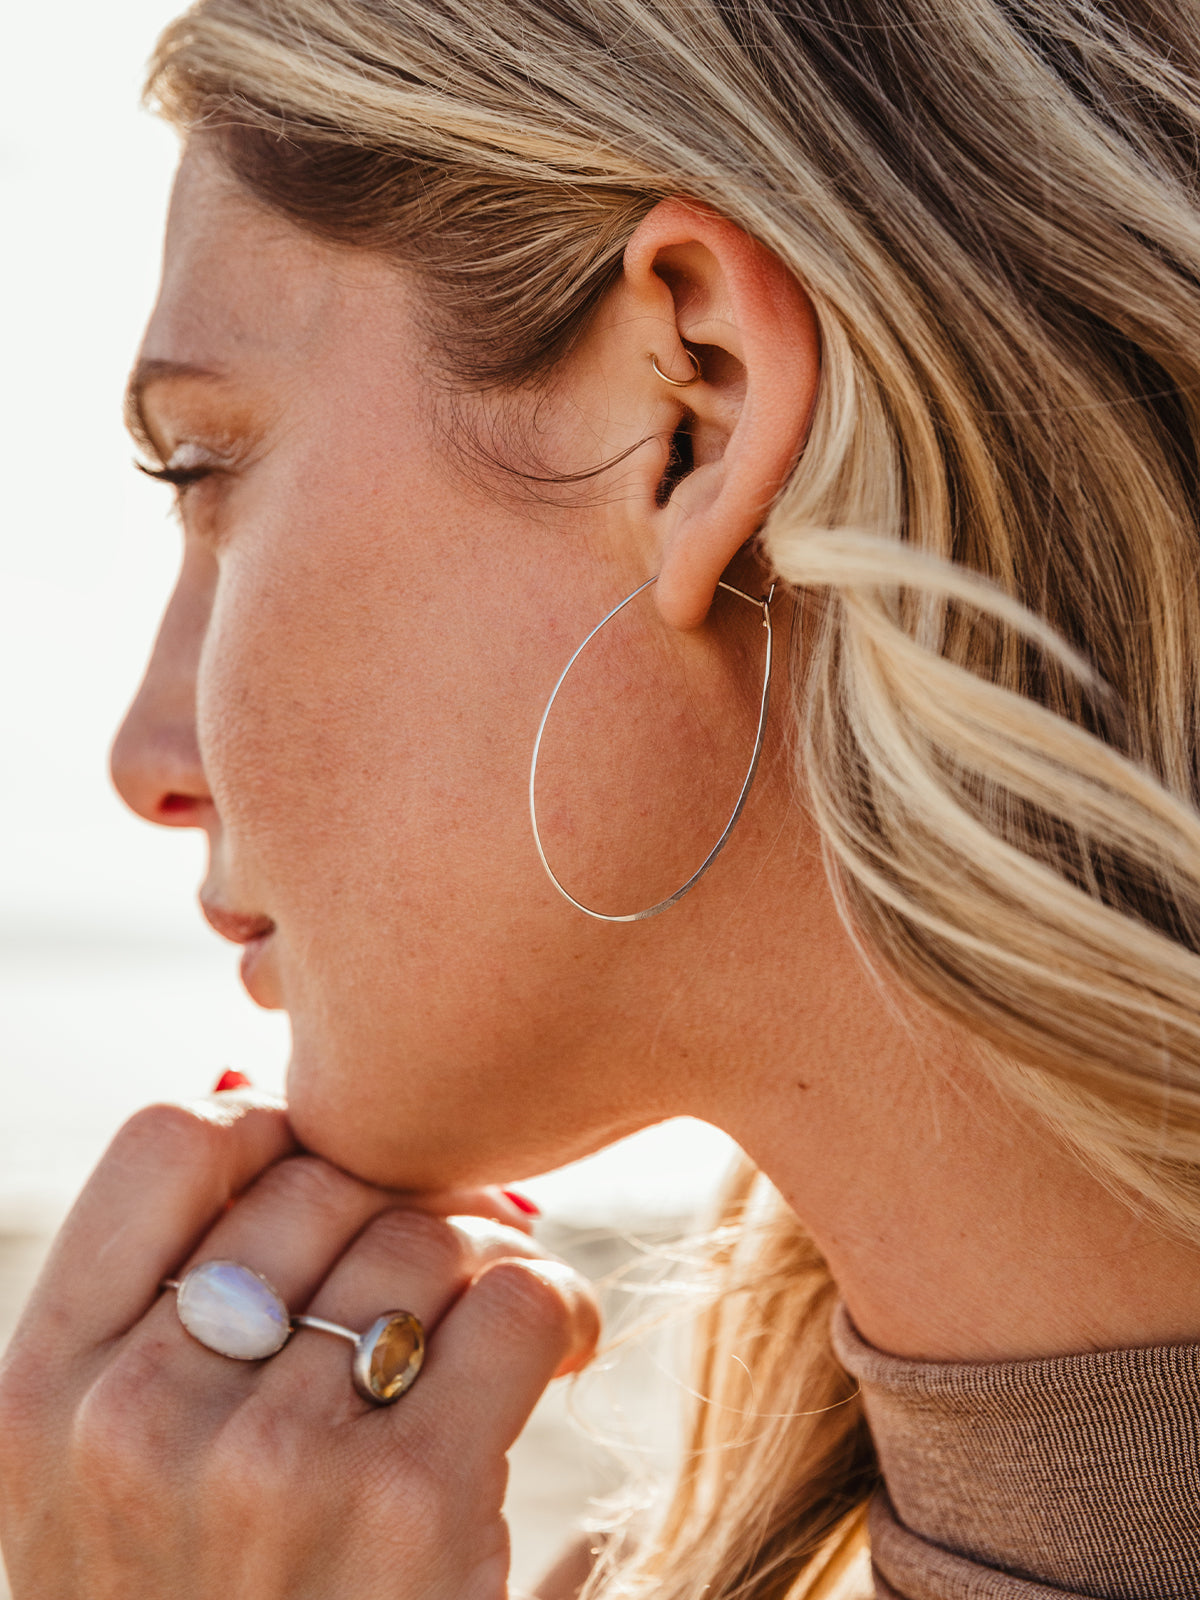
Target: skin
343	695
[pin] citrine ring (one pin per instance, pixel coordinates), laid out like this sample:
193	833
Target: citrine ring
234	1311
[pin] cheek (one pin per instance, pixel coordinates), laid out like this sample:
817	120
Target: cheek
282	691
375	668
368	696
345	729
366	705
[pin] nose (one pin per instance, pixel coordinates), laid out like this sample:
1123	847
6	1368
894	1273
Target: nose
155	763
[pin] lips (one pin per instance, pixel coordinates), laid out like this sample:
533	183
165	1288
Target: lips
254	934
236	926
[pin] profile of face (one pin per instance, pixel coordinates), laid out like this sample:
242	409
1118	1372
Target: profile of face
368	622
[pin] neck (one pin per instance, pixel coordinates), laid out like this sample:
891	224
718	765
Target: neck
956	1225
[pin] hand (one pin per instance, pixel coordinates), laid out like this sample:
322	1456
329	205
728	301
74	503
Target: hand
136	1463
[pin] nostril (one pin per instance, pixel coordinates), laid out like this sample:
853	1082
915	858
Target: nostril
156	768
173	804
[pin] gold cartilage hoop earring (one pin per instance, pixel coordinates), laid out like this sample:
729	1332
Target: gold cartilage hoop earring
764	604
678	383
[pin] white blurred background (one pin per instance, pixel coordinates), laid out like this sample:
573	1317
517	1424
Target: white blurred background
112	990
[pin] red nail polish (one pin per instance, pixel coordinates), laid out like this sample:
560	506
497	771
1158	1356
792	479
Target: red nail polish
522	1202
230	1079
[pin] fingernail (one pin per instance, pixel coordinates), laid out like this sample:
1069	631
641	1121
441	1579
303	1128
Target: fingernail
522	1202
230	1079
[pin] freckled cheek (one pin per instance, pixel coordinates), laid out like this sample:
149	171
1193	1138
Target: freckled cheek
351	765
283	706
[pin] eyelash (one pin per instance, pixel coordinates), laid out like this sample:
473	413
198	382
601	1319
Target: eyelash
180	478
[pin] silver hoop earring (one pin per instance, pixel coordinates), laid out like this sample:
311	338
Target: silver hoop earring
764	604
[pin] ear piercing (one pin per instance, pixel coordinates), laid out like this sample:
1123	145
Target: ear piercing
678	383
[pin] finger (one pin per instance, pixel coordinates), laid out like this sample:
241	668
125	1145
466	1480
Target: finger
166	1175
520	1324
296	1219
402	1261
502	1205
302	1214
291	1224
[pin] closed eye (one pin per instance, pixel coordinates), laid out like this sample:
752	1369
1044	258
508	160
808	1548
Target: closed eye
180	478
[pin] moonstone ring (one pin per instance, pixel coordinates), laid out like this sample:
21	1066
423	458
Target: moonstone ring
233	1310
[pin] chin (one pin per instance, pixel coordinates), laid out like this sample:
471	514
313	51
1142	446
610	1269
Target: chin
429	1124
397	1146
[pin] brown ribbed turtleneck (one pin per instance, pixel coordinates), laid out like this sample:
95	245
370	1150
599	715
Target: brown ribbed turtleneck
1077	1476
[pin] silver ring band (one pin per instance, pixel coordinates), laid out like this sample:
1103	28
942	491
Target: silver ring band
319	1325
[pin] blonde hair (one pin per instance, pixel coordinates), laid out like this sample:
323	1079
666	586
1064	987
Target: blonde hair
992	204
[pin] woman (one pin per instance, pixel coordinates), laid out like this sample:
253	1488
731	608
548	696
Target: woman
854	342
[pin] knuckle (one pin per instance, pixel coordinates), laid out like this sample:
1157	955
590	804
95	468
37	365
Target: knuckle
428	1244
536	1298
426	1512
167	1135
260	1451
487	1239
308	1183
119	1436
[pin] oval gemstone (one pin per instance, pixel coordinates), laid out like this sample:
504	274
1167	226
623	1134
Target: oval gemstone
232	1310
389	1356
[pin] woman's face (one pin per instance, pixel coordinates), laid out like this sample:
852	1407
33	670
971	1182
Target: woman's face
345	691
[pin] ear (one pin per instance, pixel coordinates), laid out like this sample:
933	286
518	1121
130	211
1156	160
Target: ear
695	282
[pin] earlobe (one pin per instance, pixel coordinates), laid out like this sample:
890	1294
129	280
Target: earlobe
723	303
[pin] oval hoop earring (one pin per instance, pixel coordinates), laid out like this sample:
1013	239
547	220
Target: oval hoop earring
764	605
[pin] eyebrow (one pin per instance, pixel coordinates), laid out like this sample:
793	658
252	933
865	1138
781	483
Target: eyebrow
148	372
